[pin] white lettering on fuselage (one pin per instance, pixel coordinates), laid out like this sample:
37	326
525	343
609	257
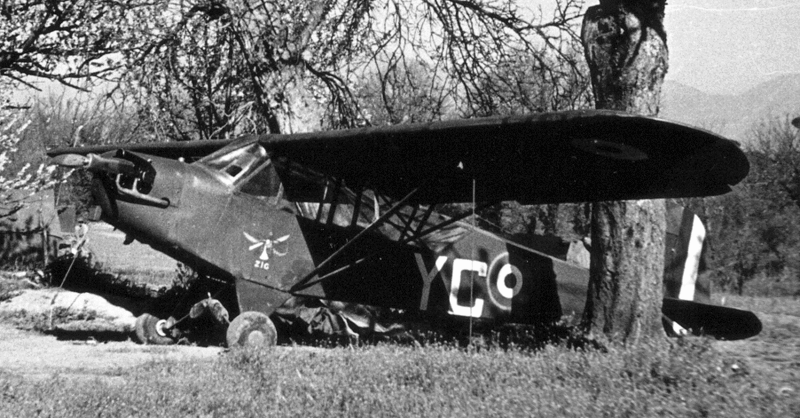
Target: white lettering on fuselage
495	285
427	277
461	265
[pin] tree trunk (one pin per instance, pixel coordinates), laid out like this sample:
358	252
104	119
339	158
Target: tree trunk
626	49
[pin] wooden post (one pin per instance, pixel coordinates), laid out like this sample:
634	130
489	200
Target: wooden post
45	249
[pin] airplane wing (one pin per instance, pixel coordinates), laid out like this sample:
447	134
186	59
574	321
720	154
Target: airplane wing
571	156
175	150
575	156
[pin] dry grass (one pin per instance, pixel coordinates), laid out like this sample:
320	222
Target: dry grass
783	305
688	379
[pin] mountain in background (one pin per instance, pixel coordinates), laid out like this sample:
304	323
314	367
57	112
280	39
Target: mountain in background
732	116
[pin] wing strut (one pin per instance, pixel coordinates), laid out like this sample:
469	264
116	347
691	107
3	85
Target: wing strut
446	223
407	222
356	207
306	283
378	222
334	201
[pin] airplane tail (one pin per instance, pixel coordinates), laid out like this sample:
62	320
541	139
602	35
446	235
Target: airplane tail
717	321
687	293
683	261
687	304
684	256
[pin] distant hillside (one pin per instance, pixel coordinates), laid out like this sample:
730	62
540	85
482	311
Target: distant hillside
732	115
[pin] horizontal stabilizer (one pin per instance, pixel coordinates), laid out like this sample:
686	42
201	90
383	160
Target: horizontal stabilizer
717	321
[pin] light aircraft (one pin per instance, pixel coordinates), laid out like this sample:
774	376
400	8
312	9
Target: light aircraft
351	215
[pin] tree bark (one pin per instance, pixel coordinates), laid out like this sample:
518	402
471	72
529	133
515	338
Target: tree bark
626	49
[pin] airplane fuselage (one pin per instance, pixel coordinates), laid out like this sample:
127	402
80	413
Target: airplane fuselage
268	246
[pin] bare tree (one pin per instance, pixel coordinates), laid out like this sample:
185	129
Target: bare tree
217	68
626	48
64	40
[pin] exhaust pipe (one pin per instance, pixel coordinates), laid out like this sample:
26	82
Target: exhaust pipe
96	163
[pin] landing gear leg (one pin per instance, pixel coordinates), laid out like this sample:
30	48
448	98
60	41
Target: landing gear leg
152	330
251	329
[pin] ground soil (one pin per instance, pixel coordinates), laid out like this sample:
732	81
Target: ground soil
36	355
775	352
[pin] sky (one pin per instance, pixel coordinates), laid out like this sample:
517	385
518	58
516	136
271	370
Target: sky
727	46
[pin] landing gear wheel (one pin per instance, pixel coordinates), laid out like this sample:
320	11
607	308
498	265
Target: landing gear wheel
150	330
251	329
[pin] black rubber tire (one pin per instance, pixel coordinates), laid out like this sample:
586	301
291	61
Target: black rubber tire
251	329
149	330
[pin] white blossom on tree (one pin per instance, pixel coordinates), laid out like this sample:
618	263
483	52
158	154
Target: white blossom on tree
18	184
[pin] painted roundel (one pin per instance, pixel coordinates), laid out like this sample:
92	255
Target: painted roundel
503	281
610	149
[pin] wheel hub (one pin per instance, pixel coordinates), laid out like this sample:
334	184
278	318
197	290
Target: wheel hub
161	328
256	339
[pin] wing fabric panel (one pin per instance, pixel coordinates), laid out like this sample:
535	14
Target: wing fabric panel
544	158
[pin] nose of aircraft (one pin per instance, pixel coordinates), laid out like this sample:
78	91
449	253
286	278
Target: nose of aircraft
71	160
96	163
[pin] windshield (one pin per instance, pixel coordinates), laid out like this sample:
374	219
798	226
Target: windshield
238	163
264	182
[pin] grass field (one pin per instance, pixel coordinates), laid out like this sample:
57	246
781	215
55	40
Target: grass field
786	305
685	380
692	377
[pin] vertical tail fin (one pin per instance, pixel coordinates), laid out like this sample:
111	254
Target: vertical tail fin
683	256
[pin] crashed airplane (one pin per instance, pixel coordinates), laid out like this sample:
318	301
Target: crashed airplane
352	216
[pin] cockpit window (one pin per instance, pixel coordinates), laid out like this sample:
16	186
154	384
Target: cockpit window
264	182
238	163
